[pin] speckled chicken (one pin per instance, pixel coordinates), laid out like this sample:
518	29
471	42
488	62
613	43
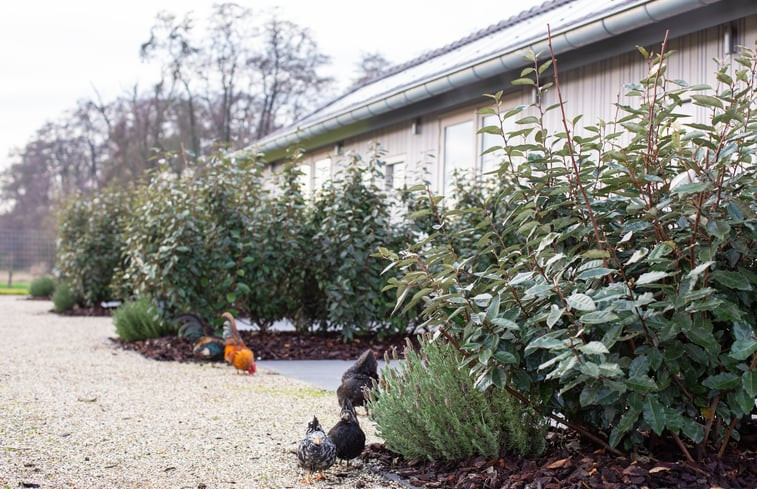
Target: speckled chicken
316	451
347	434
357	379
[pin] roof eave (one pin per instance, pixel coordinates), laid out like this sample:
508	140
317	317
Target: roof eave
329	129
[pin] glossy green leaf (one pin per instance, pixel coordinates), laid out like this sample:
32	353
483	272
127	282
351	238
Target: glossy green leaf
540	289
732	280
749	382
523	81
493	310
690	188
595	253
654	414
627	421
719	229
554	315
707	101
636	256
594	348
673	420
505	323
693	430
482	300
740	401
743	348
581	302
521	277
610	370
505	357
699	269
651	277
598	317
722	381
590	369
641	383
593	273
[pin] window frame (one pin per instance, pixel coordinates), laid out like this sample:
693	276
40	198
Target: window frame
456	120
392	162
318	181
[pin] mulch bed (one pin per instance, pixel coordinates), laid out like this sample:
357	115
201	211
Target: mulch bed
285	345
273	345
572	465
569	464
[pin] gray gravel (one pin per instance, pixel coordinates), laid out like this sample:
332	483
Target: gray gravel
77	412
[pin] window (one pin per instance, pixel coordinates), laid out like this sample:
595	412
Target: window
322	173
395	173
459	149
491	161
305	179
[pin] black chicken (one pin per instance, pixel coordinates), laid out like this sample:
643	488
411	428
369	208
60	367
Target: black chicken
206	346
358	378
316	452
347	435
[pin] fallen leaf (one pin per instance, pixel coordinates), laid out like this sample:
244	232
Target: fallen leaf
634	470
558	464
654	470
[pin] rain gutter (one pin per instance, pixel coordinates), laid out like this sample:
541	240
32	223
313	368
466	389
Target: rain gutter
635	16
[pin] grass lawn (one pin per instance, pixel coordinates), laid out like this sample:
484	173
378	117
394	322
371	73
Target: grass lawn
18	288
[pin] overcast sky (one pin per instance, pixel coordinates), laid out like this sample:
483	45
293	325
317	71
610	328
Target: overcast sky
53	53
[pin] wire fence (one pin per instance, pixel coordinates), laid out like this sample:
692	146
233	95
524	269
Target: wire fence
25	254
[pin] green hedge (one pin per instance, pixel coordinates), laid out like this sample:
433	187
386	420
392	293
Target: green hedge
220	239
90	243
620	293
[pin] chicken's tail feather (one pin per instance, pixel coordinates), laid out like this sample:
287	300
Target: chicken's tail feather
230	332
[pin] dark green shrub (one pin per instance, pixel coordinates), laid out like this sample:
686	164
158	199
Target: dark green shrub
186	238
622	291
90	243
42	287
275	263
64	298
428	408
140	320
350	222
219	239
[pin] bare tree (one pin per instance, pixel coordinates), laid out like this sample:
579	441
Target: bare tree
255	76
171	43
287	69
370	67
234	81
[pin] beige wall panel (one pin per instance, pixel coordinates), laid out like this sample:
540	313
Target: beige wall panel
591	90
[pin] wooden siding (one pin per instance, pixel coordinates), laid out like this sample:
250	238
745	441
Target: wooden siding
591	90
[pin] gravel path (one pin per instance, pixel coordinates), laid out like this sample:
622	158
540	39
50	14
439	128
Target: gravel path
76	412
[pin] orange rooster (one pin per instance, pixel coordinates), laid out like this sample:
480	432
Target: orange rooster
236	352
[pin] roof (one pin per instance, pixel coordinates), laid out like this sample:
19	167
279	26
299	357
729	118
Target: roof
489	52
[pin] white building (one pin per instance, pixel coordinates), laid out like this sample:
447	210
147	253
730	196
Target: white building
425	112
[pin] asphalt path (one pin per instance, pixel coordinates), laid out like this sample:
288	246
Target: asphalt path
324	374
